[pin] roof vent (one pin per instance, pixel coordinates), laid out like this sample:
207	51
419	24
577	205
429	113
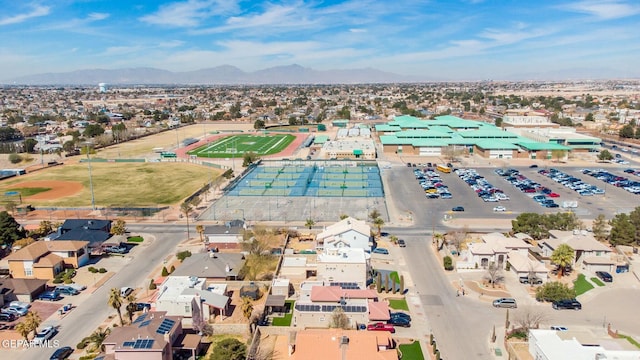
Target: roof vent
344	340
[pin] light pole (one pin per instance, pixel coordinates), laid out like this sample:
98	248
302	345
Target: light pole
93	199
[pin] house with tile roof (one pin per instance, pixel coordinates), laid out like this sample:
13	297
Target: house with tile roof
318	300
45	259
348	232
590	254
150	336
321	344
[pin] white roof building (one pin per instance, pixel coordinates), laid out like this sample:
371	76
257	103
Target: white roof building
349	232
582	345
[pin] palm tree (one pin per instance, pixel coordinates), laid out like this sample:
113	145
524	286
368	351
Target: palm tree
309	223
115	301
23	329
200	231
343	216
374	214
186	208
379	223
131	307
97	338
562	256
32	321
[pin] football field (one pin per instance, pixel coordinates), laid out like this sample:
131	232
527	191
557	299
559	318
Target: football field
237	145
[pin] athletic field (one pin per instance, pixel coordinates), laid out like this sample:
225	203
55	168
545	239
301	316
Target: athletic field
237	145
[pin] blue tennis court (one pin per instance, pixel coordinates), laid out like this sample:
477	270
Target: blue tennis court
362	180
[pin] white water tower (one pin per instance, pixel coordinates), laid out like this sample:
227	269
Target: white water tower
102	87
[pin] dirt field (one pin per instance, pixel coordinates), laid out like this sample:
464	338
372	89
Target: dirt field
59	189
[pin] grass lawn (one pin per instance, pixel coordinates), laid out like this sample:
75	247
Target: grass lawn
237	145
597	281
135	239
394	276
286	320
581	285
30	191
398	304
124	184
411	351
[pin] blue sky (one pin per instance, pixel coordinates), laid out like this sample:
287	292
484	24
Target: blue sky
454	39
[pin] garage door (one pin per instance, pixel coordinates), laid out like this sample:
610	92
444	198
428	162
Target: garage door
430	151
501	154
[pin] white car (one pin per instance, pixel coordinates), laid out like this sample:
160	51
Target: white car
20	304
77	287
18	310
499	209
45	334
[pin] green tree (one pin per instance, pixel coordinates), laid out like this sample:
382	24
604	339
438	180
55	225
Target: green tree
531	224
165	272
131	307
627	131
23	330
309	223
200	231
249	158
93	130
15	158
599	228
119	227
498	122
10	230
562	256
229	349
554	291
559	154
605	155
589	117
622	230
183	255
378	223
339	319
45	228
97	338
29	145
374	214
115	301
634	218
32	320
259	124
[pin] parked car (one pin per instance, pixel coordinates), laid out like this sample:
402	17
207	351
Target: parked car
382	251
78	287
381	327
604	276
559	328
399	321
20	303
50	296
66	290
457	208
125	291
45	334
532	280
570	304
62	353
116	249
7	317
402	243
400	314
142	306
18	310
505	303
499	209
533	166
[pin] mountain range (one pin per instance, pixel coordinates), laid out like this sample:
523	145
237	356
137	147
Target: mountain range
220	75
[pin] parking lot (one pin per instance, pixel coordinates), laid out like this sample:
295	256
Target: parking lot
410	195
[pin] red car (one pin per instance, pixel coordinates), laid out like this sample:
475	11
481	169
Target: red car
553	195
381	327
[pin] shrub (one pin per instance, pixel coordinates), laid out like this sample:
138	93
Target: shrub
68	281
172	269
15	158
102	270
553	291
92	270
183	255
152	285
165	272
82	344
57	280
448	263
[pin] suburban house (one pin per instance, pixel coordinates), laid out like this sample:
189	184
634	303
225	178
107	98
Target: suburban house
495	248
212	266
317	302
338	265
582	345
25	290
176	297
227	237
45	259
150	336
348	232
320	344
91	230
523	265
590	254
297	267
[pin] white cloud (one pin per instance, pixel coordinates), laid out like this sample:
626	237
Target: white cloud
189	13
358	30
604	9
273	19
97	16
37	11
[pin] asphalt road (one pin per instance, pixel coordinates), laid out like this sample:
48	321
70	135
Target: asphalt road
84	319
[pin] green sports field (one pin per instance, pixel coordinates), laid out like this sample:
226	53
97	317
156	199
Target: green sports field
237	145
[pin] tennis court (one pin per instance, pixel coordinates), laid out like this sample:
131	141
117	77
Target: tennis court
236	145
308	179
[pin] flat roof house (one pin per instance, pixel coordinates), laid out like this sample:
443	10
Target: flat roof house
321	344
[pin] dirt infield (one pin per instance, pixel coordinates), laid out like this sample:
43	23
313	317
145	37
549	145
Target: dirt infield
59	189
